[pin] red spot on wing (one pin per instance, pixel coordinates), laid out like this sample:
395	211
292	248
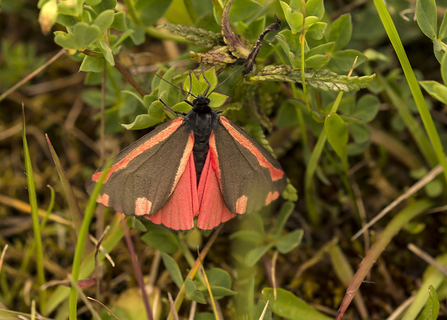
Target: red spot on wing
103	199
271	197
275	173
159	137
212	210
241	204
142	206
178	213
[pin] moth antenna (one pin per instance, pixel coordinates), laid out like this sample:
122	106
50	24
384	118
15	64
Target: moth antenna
190	87
184	91
205	93
220	84
172	110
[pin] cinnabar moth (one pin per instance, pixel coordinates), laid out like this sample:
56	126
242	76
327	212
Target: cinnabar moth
198	165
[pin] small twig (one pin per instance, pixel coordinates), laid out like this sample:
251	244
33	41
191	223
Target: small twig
192	311
97	248
433	173
275	257
3	256
31	75
213	302
266	307
102	304
128	77
171	303
427	258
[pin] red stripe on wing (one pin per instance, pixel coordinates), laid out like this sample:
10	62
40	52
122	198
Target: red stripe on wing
212	210
161	136
275	173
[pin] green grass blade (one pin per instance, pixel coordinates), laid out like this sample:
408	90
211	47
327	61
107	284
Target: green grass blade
76	214
35	217
312	167
412	82
82	238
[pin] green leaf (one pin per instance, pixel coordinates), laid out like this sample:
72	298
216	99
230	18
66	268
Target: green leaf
337	136
119	22
360	132
243	9
65	20
426	17
431	309
105	5
135	95
193	293
341	31
250	236
367	108
149	99
85	34
180	107
217	99
289	306
290	241
151	10
104	20
255	254
139	34
91	64
65	40
160	238
137	224
122	37
219	292
344	60
173	269
219	277
436	90
142	121
287	115
92	2
322	79
317	61
156	110
69	10
284	214
293	18
107	52
316	31
315	8
340	265
444	68
442	33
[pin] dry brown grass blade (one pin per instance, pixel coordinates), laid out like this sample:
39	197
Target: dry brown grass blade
25	207
414	188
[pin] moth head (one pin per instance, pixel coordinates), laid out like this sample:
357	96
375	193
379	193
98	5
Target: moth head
201	103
